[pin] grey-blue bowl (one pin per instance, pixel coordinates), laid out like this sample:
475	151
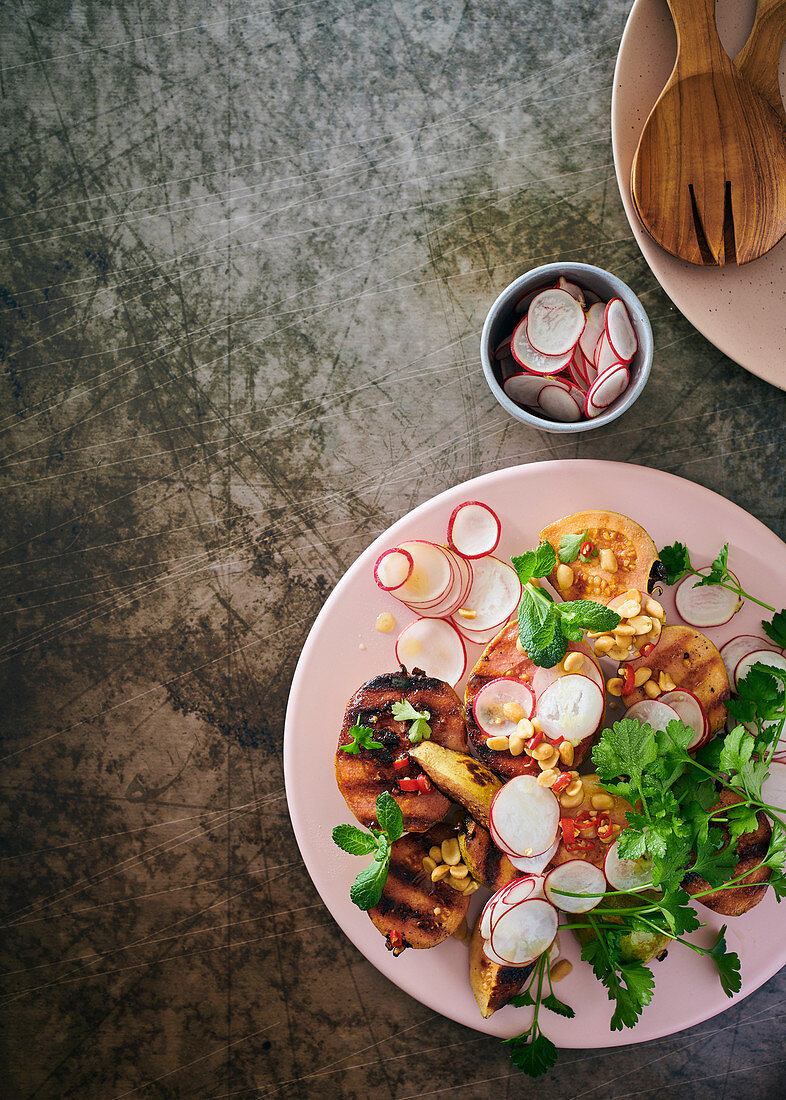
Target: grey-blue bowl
502	319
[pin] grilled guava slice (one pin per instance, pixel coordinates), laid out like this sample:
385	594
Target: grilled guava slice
414	911
460	777
363	776
638	565
694	664
487	863
733	901
492	984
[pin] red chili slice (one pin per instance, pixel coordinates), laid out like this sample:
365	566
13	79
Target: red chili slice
605	825
408	783
586	549
424	783
557	740
628	681
562	783
584	820
648	648
534	741
568	829
580	844
401	764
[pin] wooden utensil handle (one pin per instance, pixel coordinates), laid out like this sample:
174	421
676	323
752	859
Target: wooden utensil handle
759	59
698	44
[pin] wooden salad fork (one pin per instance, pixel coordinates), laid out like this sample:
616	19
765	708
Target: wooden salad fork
709	174
759	59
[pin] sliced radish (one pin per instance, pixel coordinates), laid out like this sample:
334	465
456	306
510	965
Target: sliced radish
593	330
627	874
605	356
494	907
522	305
620	332
502	351
494	594
573	289
434	646
528	356
758	657
393	567
524	817
607	387
736	648
473	529
535	865
571	707
490	702
476	637
576	877
690	712
654	713
555	321
524	931
454	595
431	576
559	404
524	389
706	606
507	368
576	372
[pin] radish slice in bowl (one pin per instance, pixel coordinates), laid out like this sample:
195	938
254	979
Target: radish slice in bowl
473	529
627	874
705	606
576	877
555	321
559	404
524	931
501	704
593	330
607	387
494	594
528	356
619	331
524	817
571	707
573	289
758	657
525	388
393	567
653	712
434	646
690	712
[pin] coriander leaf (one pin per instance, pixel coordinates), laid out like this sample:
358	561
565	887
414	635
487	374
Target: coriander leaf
728	964
777	883
640	983
736	751
367	888
554	1004
569	546
353	840
676	562
534	1058
523	1000
403	711
678	911
362	737
625	750
589	614
776	628
714	862
389	816
719	570
632	841
420	730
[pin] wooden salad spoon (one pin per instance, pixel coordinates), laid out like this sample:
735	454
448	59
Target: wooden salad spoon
709	174
759	59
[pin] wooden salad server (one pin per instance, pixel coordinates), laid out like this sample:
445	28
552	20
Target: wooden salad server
709	174
759	59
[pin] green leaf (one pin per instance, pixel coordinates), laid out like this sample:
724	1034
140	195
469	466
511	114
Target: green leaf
714	862
718	572
389	816
589	614
554	1004
736	751
536	623
680	914
776	628
728	964
569	546
625	750
534	1057
535	563
353	840
404	712
676	562
362	737
367	888
523	1000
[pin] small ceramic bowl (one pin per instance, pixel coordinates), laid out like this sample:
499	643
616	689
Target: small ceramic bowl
502	319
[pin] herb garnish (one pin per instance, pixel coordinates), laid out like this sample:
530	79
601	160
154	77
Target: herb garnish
362	738
676	561
546	627
570	548
420	730
532	1051
367	888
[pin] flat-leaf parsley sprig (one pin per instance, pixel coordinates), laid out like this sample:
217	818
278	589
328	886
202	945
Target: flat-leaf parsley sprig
676	561
367	888
545	626
532	1051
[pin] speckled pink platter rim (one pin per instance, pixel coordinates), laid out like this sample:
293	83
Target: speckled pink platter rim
343	650
741	310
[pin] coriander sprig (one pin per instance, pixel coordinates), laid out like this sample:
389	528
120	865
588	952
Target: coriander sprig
546	627
362	738
676	561
420	730
367	888
532	1051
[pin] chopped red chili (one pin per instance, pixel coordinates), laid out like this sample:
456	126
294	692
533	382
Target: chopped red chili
424	783
580	844
557	740
586	548
562	782
584	820
628	681
408	783
400	764
568	829
605	825
534	741
648	648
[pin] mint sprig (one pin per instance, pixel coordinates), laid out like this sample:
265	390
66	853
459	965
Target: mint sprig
367	888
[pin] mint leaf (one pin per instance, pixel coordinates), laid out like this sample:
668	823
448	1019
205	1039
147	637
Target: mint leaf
353	840
535	563
676	561
569	546
367	888
362	737
776	628
589	614
389	816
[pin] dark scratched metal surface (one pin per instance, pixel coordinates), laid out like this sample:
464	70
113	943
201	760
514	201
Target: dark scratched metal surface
247	250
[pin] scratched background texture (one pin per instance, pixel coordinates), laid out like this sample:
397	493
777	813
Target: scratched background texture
246	253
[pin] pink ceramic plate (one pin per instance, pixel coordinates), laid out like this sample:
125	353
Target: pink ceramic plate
343	650
742	310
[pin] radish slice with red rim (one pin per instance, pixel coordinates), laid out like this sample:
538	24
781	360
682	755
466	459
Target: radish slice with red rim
652	712
545	677
392	568
432	573
524	931
434	646
493	596
492	699
627	874
524	817
492	956
528	356
535	865
607	387
502	351
507	368
736	648
605	356
473	529
758	657
575	886
593	330
475	637
559	404
525	388
620	332
573	289
690	712
709	605
571	707
555	321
